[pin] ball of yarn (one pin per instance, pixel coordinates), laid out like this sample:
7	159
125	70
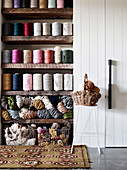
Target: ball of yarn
67	102
4	102
6	115
68	115
43	114
54	100
61	108
14	114
22	112
55	114
20	101
47	103
39	130
30	115
38	104
55	126
11	102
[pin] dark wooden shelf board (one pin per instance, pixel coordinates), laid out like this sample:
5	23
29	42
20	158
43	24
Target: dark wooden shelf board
38	39
32	93
38	121
37	13
37	66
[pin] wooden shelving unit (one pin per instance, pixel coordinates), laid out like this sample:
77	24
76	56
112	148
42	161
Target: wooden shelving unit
37	66
38	121
32	93
37	13
38	39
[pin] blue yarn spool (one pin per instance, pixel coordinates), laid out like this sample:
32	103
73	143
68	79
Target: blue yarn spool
51	3
17	81
18	29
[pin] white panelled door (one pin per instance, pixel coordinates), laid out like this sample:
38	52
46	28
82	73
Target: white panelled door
116	49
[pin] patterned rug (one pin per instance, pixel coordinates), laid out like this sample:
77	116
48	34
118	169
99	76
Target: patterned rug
43	157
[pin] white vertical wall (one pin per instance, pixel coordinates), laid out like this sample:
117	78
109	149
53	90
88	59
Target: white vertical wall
89	46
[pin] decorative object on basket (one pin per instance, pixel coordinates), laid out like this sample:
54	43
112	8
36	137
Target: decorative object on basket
17	134
89	96
6	115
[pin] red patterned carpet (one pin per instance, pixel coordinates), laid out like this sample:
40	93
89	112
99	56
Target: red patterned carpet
43	157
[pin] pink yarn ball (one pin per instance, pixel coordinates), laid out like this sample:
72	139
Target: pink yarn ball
39	129
43	131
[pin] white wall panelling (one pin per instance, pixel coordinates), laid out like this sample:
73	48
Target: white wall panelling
89	45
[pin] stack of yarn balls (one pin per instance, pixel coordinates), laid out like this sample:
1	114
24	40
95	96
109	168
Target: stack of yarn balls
37	29
42	107
38	4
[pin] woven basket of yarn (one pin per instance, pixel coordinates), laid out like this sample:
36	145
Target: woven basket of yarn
38	104
87	97
30	115
6	115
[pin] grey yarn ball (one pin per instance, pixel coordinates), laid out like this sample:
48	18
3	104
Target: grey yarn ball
55	113
43	114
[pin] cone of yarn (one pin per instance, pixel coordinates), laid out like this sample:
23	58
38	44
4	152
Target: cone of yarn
6	56
17	3
67	81
60	3
61	108
33	3
27	82
43	3
7	81
57	57
51	3
17	82
37	81
7	29
6	115
47	82
37	29
16	56
30	115
46	29
18	29
38	104
58	82
37	56
7	3
28	29
67	28
27	56
67	56
56	29
25	3
48	56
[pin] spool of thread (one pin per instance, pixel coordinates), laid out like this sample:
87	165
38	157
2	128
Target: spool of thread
7	3
58	82
7	81
27	56
28	29
43	3
56	29
60	3
46	29
57	50
67	28
17	82
33	3
17	3
7	29
27	82
67	56
18	29
37	56
37	29
51	3
48	56
16	56
37	81
47	82
25	3
6	56
68	81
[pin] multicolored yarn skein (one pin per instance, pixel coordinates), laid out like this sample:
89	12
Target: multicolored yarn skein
6	115
22	112
67	102
30	115
61	108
